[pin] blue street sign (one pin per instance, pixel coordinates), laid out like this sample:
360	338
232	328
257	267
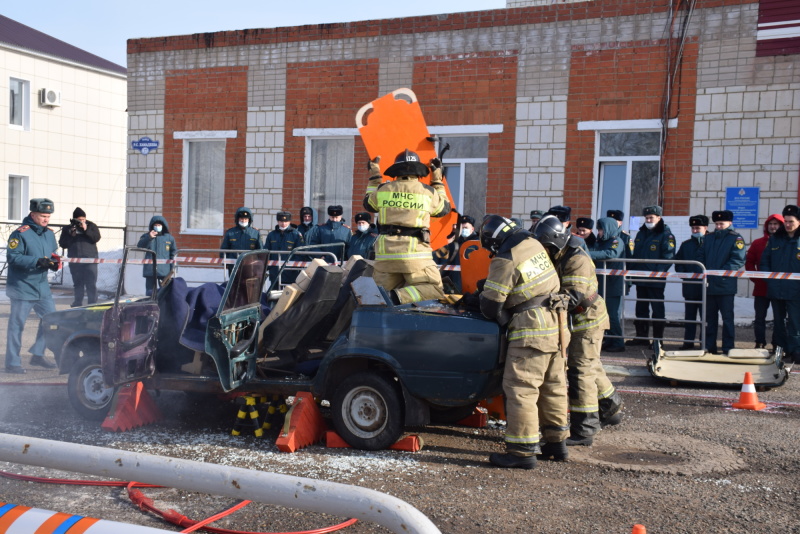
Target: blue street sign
743	202
145	145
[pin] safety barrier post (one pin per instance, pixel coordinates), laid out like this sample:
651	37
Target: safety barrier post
283	490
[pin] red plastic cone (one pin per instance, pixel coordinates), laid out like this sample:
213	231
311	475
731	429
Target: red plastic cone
639	529
748	399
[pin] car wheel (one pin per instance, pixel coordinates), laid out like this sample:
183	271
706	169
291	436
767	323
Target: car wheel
90	397
447	415
367	411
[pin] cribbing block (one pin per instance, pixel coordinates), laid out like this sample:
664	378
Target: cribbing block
412	443
132	407
478	419
495	406
303	425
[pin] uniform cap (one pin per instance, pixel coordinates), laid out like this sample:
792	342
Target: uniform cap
363	216
616	214
584	222
698	220
652	210
306	210
467	219
42	205
335	211
284	216
537	214
724	215
792	210
562	213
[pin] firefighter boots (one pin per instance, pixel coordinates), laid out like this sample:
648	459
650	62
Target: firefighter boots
556	451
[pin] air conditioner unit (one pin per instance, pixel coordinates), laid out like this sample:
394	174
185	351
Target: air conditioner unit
50	97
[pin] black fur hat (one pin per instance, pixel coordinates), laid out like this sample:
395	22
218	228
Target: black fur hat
723	215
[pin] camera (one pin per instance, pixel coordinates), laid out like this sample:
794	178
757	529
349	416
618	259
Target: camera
75	226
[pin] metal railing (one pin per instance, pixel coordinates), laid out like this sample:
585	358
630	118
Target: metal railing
110	246
643	276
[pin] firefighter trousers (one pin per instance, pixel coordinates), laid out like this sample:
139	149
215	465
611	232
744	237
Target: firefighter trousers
423	284
536	394
583	368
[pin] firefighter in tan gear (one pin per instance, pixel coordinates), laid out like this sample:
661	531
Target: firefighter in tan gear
589	319
521	291
404	263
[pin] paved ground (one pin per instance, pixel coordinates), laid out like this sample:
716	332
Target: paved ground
681	461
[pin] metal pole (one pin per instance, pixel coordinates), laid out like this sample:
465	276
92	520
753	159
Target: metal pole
285	490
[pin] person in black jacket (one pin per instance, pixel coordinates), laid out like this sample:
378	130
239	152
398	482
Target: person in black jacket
80	238
692	291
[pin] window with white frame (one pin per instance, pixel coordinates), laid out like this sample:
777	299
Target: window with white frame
203	198
466	165
629	165
19	104
17	197
330	174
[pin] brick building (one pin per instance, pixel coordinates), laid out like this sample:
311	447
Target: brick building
595	104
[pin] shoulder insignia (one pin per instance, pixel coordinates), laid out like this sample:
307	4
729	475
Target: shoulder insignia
614	244
13	243
653	247
23	228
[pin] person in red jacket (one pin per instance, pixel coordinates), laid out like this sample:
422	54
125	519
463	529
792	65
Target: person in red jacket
760	300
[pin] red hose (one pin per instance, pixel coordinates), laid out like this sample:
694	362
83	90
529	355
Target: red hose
146	504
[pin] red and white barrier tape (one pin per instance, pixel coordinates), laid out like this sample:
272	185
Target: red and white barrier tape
201	260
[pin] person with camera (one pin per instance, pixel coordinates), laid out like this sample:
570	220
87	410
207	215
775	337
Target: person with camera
79	238
30	254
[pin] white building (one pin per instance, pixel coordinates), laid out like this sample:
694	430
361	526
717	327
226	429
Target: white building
65	129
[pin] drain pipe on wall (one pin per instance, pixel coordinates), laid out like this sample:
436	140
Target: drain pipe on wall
290	491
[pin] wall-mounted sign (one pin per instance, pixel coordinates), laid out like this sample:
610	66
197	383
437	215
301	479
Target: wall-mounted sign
145	145
743	202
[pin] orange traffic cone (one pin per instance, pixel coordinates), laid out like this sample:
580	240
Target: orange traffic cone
639	529
748	399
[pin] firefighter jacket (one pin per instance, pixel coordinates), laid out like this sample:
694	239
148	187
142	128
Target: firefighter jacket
404	207
520	272
81	244
722	250
28	243
288	239
361	243
782	255
753	256
690	250
163	245
578	278
608	248
329	233
655	244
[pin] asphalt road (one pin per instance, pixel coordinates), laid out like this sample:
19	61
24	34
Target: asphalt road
682	461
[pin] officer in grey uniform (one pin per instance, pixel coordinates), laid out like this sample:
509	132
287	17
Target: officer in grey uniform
30	254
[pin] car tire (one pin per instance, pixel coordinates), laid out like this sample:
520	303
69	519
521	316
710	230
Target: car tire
89	396
447	415
367	411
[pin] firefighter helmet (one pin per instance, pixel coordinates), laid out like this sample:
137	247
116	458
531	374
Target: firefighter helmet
551	231
495	229
407	163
